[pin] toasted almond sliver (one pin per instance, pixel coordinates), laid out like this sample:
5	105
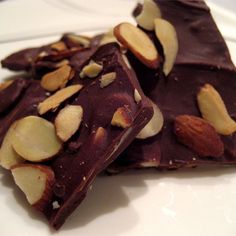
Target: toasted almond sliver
56	79
79	39
68	121
36	182
137	96
62	63
5	84
91	70
107	79
166	34
56	99
138	42
108	38
154	126
214	110
122	118
59	46
8	156
149	13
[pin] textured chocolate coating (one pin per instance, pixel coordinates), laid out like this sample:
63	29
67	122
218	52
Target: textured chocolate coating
203	57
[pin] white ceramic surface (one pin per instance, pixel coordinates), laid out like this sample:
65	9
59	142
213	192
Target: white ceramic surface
178	203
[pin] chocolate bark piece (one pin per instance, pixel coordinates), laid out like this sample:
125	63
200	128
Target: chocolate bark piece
203	57
27	58
21	60
97	142
195	26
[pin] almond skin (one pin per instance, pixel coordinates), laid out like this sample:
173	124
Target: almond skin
36	183
198	135
138	42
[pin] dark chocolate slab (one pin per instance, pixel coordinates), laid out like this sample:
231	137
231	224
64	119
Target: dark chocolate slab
97	143
87	154
203	57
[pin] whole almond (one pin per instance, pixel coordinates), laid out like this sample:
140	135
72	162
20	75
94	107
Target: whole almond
198	135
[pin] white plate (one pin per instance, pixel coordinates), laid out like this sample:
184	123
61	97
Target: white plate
178	203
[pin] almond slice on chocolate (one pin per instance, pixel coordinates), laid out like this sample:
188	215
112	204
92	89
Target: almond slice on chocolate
213	110
148	14
154	126
35	139
8	156
108	37
77	40
91	70
36	183
68	121
137	96
107	79
57	79
59	46
167	36
5	84
57	98
198	135
138	42
122	117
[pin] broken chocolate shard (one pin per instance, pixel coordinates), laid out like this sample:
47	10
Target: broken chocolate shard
97	142
203	57
100	142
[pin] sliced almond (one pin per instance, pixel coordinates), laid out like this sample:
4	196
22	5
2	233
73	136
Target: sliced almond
56	79
214	110
108	38
100	136
126	60
36	183
8	156
59	46
79	39
137	96
62	63
56	99
138	43
5	84
68	121
91	70
154	126
35	139
167	36
107	79
148	14
122	118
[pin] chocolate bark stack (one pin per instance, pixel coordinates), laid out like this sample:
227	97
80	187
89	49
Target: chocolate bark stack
82	106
